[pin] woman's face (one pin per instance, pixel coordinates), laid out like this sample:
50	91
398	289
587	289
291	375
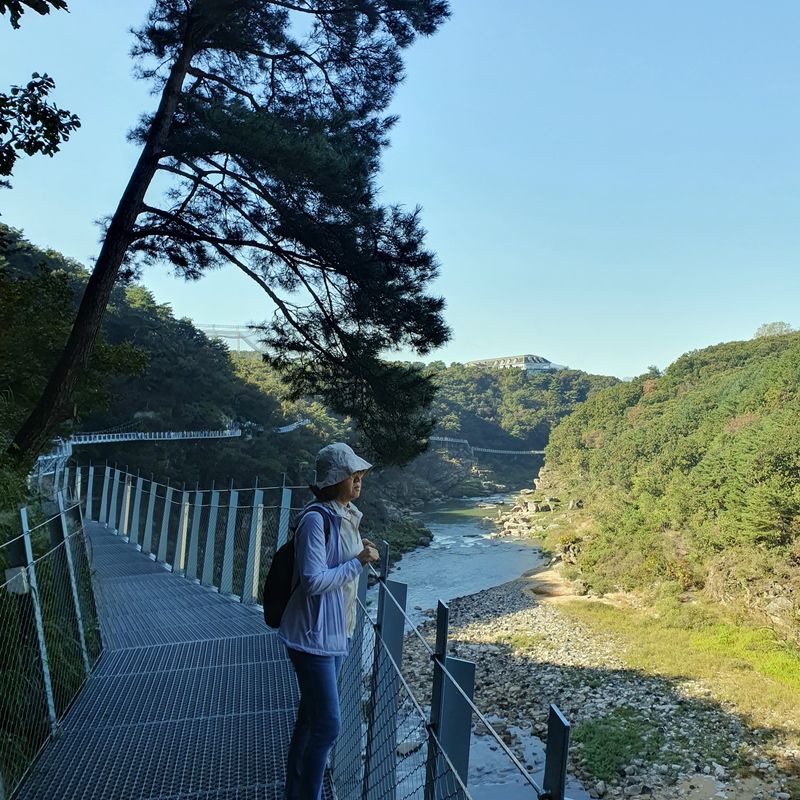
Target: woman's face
350	488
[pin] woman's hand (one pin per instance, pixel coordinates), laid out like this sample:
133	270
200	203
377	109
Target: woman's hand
368	555
368	543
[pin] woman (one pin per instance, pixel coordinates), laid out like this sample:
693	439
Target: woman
320	616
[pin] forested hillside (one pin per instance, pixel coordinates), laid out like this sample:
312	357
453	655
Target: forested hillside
692	478
155	372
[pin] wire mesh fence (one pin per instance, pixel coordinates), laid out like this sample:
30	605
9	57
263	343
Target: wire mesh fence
49	633
387	747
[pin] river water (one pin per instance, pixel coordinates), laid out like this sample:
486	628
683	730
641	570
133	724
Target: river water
462	559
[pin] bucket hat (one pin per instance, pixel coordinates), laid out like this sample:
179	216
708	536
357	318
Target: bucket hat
337	461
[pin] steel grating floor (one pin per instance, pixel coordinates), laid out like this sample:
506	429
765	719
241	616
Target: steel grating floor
193	698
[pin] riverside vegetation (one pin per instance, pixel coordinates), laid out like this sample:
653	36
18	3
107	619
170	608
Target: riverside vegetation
669	624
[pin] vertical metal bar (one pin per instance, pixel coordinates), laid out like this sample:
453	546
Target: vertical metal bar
179	561
137	507
103	516
124	528
147	540
226	581
89	490
253	566
194	541
73	583
555	760
112	511
380	765
162	542
211	536
37	614
437	693
455	724
78	483
283	520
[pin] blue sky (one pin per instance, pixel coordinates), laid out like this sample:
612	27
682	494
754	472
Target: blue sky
606	184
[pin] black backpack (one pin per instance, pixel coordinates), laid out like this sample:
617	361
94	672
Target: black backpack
278	583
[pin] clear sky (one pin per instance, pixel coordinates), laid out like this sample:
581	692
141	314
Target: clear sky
607	184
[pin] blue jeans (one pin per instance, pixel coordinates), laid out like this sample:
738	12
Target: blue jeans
317	725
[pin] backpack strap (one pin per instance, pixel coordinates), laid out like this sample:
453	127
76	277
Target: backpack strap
323	512
326	527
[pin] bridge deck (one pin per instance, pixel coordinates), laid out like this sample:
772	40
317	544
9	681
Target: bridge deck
193	697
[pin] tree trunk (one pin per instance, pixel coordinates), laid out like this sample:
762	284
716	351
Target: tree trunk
50	409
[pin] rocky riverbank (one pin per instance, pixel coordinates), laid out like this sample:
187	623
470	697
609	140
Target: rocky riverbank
634	734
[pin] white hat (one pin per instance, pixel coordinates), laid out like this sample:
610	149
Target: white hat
337	461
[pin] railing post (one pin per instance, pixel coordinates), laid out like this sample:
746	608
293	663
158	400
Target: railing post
179	561
39	622
124	528
211	537
380	765
112	516
555	760
64	536
433	772
137	507
103	515
194	541
147	539
226	580
89	489
285	516
253	565
78	483
162	542
455	722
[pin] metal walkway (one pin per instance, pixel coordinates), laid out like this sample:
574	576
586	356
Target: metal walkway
193	697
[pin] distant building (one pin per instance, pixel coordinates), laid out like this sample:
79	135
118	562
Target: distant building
528	362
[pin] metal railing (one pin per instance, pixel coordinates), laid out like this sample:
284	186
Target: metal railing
394	743
410	752
49	633
223	538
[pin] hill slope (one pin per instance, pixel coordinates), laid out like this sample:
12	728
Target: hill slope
692	478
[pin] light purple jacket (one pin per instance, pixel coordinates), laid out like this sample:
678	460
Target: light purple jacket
314	618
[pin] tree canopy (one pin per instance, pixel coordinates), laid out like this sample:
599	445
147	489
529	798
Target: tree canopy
268	134
16	8
28	123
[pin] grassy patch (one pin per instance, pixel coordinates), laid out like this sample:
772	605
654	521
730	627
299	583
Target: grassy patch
611	742
747	667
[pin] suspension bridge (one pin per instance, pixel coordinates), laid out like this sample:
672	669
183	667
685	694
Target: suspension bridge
448	442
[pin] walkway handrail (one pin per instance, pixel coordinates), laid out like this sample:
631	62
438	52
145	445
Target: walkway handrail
541	792
48	630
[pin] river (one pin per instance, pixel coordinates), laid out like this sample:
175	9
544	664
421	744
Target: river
462	558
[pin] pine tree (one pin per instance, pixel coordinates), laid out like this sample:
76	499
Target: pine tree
269	129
